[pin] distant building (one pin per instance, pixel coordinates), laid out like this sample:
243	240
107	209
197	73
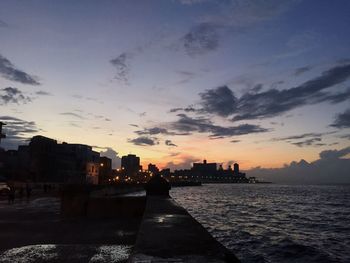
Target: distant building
204	169
44	160
153	168
236	169
130	165
105	169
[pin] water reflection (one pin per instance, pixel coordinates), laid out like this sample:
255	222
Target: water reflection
66	253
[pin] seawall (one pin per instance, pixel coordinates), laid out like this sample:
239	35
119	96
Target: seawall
167	233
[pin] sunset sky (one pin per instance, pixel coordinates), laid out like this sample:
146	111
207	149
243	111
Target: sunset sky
259	82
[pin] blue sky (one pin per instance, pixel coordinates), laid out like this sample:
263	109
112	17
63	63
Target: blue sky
261	82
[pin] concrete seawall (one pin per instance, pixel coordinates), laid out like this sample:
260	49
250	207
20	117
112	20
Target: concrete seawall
168	233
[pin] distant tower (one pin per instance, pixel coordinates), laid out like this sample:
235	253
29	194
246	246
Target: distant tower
236	168
130	164
205	161
1	134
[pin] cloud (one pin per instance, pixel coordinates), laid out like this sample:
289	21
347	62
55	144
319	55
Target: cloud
187	109
235	141
13	95
8	71
302	70
43	93
122	65
152	131
112	154
201	39
345	136
230	16
313	141
192	2
305	139
17	131
72	114
332	167
342	120
273	102
170	143
144	141
334	154
220	101
187	125
184	163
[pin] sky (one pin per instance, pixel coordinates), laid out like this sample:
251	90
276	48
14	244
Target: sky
264	83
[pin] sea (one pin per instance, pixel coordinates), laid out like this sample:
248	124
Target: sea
274	223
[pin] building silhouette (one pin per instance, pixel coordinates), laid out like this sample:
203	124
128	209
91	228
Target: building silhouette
131	165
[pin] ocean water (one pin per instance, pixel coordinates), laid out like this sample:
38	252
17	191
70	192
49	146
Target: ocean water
274	223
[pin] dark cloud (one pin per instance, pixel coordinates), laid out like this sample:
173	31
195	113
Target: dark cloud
233	17
302	70
305	139
220	101
309	142
273	102
300	136
170	143
144	141
13	95
8	71
335	154
188	125
345	136
122	65
43	93
72	114
17	131
153	131
201	39
187	109
134	125
342	120
330	168
235	141
192	2
112	154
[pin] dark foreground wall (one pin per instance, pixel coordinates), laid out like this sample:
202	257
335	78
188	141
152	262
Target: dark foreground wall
82	201
168	233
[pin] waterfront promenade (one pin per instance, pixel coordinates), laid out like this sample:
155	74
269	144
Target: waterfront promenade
108	229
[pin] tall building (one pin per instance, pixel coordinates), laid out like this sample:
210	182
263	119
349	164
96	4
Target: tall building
153	168
105	169
130	165
204	169
236	169
53	162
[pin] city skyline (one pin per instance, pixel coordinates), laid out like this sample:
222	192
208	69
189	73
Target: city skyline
261	83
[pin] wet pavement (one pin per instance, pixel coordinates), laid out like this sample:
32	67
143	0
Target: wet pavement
33	231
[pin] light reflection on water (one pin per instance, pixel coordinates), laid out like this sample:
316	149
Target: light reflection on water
66	253
274	223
